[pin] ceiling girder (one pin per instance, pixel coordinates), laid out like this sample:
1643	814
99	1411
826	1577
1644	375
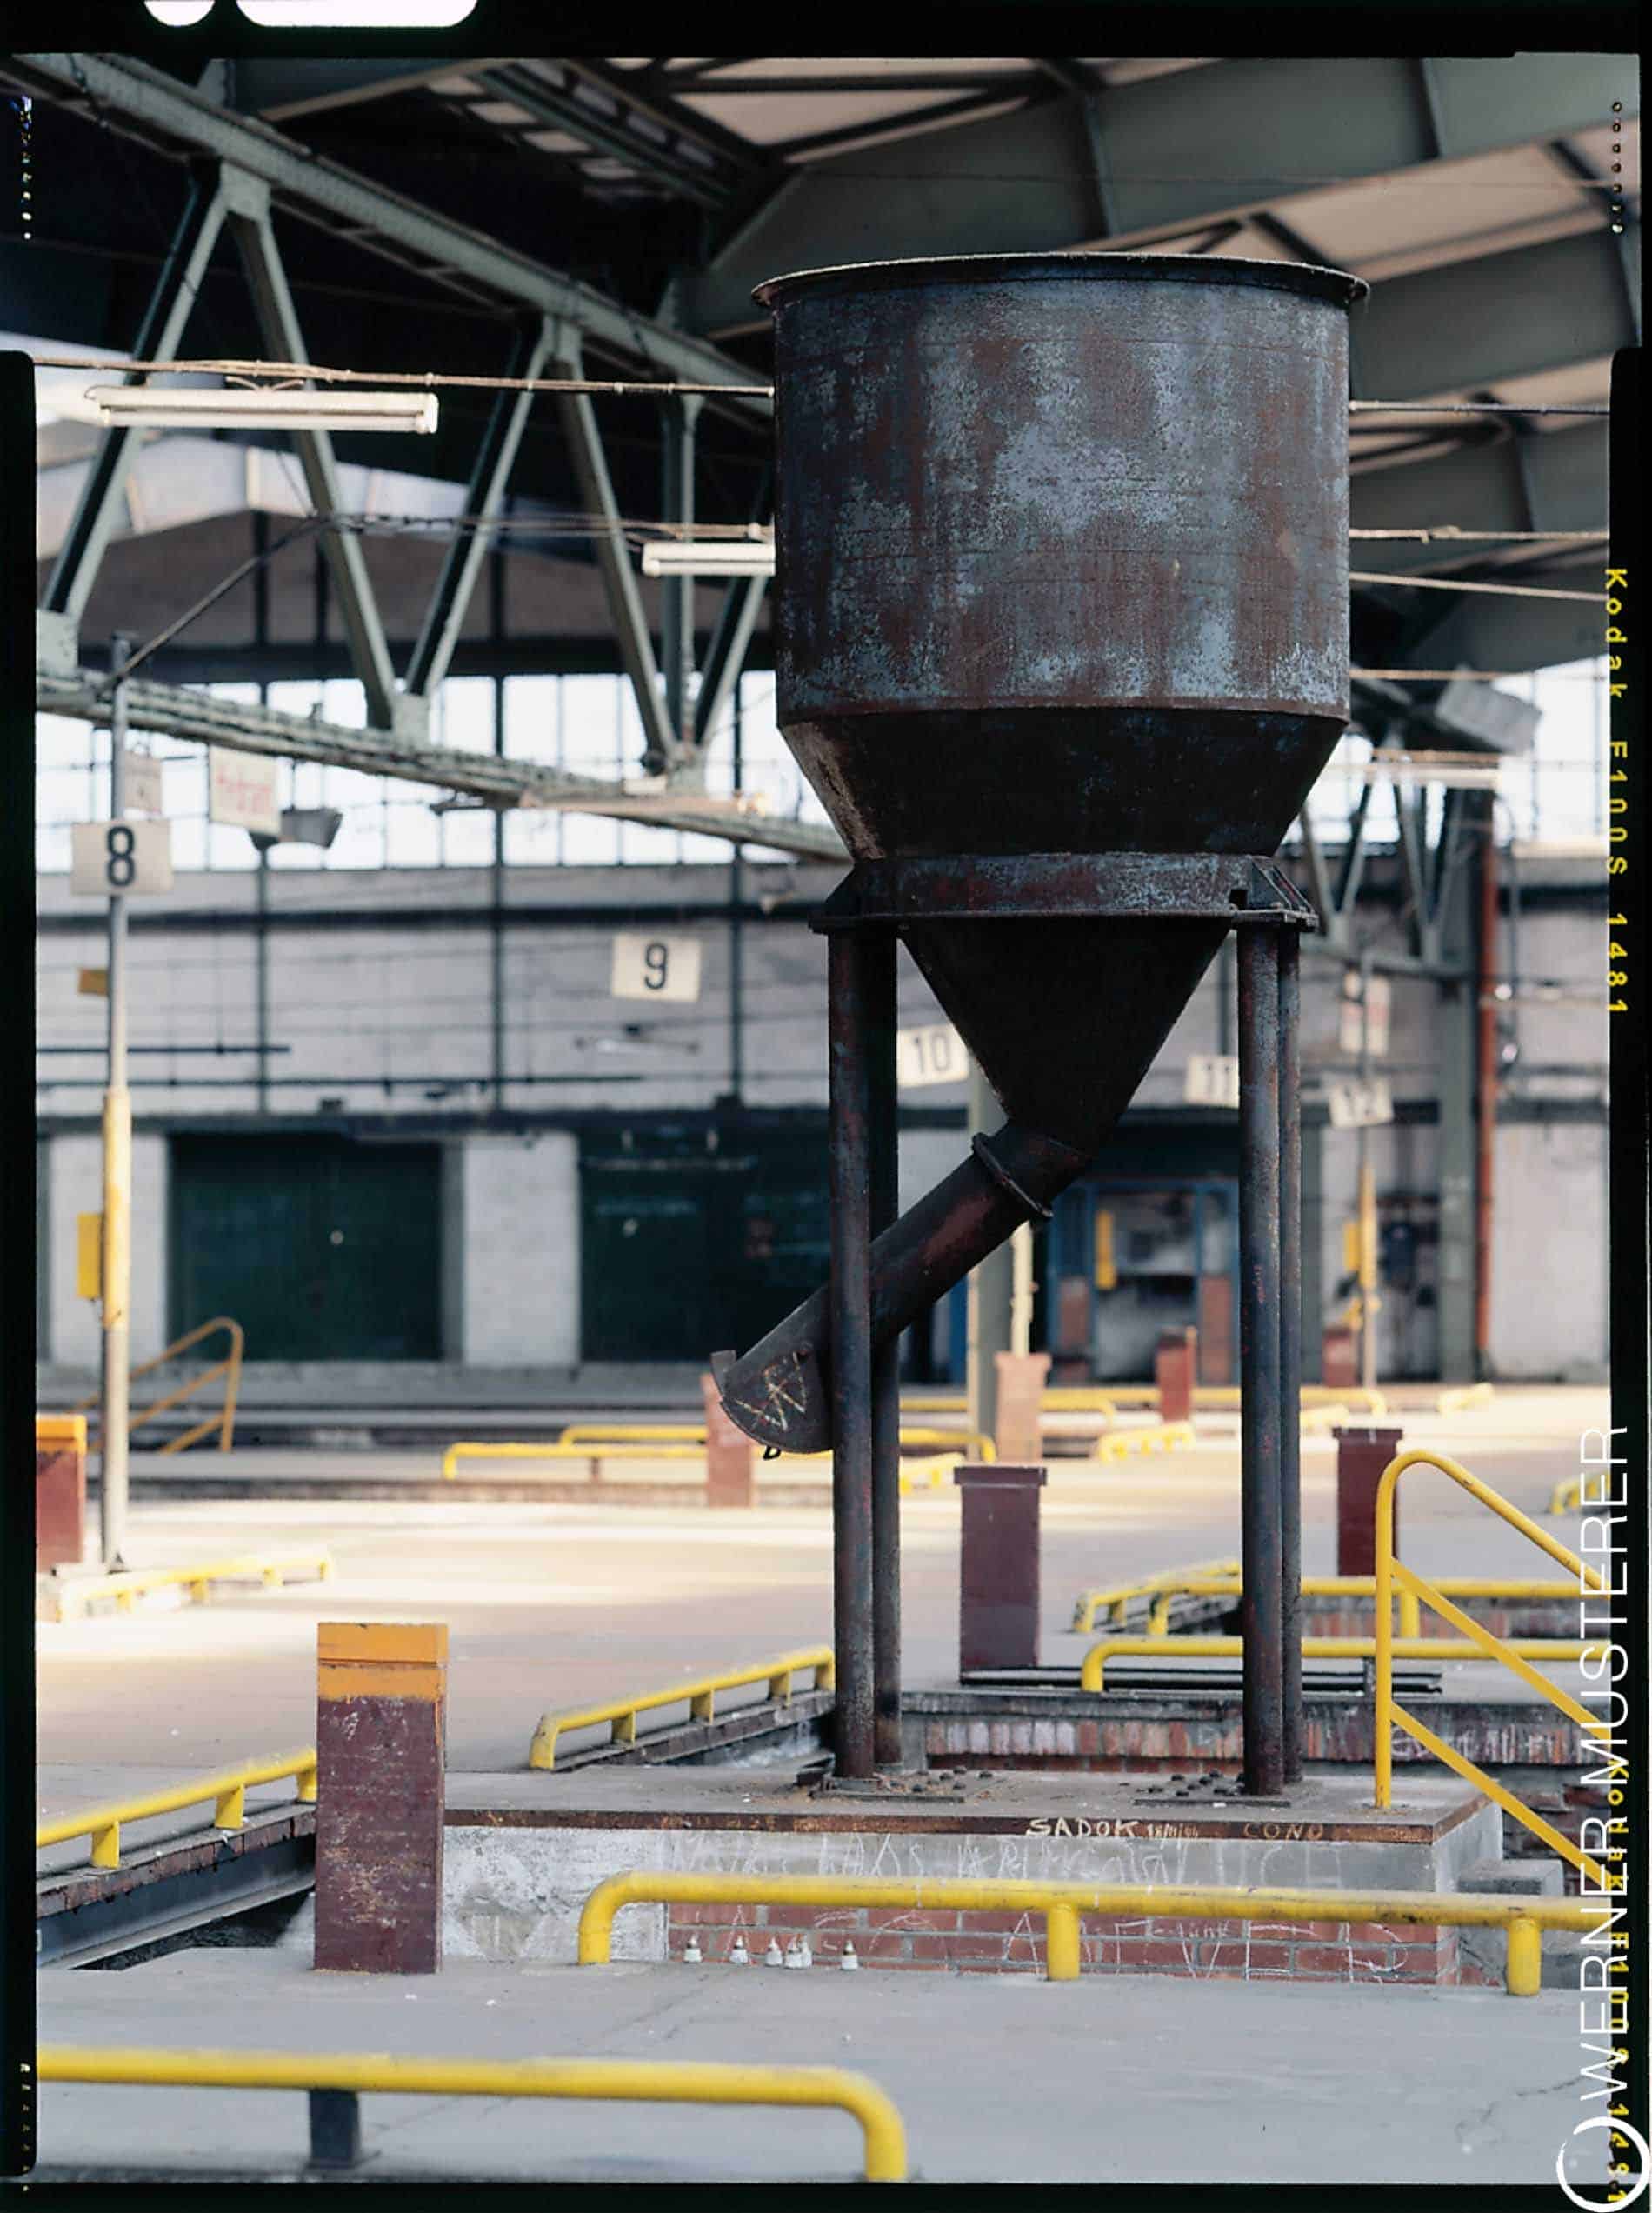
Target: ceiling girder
1180	151
155	108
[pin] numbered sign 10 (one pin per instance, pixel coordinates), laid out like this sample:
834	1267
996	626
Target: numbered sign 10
934	1054
656	967
126	856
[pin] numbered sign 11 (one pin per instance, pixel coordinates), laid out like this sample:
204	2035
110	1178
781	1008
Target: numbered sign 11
1212	1079
934	1054
654	968
131	858
1360	1105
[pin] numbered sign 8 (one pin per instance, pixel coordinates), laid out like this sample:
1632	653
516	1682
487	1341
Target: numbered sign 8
133	858
656	967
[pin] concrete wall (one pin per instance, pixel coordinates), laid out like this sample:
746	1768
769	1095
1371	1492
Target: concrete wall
521	1250
395	1017
1550	1259
74	1187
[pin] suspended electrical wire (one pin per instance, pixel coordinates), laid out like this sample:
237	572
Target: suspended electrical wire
299	372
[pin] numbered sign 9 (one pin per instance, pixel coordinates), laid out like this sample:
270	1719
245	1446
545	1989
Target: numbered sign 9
934	1054
133	858
654	967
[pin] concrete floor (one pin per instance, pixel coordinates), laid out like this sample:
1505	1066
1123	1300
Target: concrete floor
551	1605
1115	2078
1130	2079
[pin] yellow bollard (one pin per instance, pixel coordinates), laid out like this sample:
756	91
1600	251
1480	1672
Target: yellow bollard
1061	1953
1525	1968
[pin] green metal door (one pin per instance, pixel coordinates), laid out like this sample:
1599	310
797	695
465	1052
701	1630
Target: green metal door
321	1248
692	1240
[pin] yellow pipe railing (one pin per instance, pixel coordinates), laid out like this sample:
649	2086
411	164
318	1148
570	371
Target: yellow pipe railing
1219	1582
1331	1648
1083	1398
578	1443
128	1583
1061	1905
228	1792
229	1366
653	2082
1155	1436
1459	1401
1389	1713
1117	1601
1567	1497
700	1697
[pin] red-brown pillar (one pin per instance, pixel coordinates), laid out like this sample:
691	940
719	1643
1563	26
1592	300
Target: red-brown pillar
381	1744
1339	1362
729	1453
1362	1455
1176	1366
1018	1432
60	1489
998	1569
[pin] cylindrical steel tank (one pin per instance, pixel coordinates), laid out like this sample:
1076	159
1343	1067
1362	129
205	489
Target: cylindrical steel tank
1061	566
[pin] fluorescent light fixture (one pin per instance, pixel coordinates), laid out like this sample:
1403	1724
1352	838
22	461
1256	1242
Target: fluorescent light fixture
356	14
712	557
179	407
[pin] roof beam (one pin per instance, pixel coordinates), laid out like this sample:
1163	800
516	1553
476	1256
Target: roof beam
155	108
1481	321
246	727
1484	488
1180	151
278	88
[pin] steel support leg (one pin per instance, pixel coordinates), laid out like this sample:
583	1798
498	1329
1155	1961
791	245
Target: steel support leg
849	1143
1261	1618
877	956
1290	1344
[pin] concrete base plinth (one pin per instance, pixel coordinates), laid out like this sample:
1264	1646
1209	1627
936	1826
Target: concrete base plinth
521	1859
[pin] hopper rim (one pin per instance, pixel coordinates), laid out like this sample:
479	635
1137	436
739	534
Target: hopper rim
1337	287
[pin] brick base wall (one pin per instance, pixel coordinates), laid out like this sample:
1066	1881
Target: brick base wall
989	1943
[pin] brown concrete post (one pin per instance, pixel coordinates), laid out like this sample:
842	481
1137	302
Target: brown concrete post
381	1742
729	1453
1175	1367
1339	1361
1362	1455
998	1566
60	1490
1018	1433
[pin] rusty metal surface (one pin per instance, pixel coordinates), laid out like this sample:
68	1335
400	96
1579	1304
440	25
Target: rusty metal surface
1159	887
1061	570
1290	1344
1261	1607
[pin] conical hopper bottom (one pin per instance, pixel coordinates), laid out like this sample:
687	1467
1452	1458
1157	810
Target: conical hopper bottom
1064	1017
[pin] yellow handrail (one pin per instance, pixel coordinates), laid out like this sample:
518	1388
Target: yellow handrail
229	1366
1389	1712
1117	1600
1567	1497
128	1583
1062	1904
676	2081
701	1697
1218	1582
1150	1436
593	1450
228	1792
1458	1401
1327	1648
634	1432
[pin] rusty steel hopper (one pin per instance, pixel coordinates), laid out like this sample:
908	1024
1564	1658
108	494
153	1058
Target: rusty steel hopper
1061	566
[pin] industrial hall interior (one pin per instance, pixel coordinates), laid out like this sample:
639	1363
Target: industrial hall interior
824	993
